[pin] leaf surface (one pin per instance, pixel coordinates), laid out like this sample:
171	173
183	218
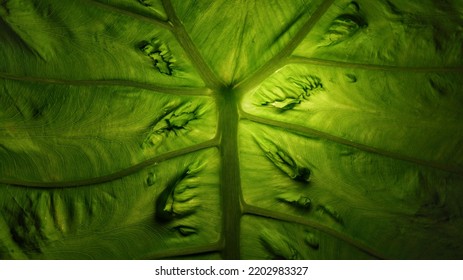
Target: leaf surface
148	129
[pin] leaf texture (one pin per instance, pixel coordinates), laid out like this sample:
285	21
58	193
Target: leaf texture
151	129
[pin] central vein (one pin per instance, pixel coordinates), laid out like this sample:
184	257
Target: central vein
230	174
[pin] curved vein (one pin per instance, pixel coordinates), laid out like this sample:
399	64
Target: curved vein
175	253
156	20
313	132
257	211
113	176
124	83
350	65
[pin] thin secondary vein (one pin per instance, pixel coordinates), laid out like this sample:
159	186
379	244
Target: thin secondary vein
276	62
323	62
191	50
313	132
156	20
257	211
208	248
113	176
124	83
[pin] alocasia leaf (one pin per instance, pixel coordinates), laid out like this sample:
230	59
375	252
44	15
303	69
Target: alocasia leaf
303	129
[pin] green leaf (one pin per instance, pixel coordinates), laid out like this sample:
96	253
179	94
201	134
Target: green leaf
168	129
